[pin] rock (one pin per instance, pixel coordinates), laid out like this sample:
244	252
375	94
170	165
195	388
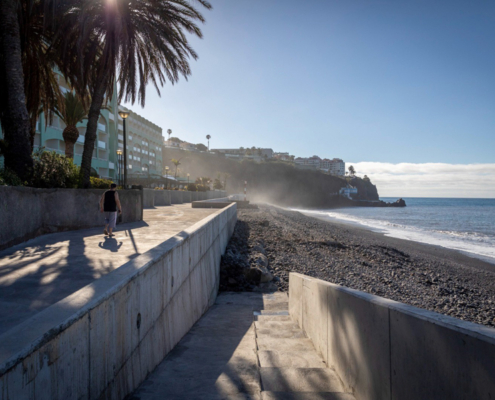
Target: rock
252	274
232	281
266	276
260	259
259	249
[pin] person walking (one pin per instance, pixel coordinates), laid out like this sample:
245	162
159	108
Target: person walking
109	203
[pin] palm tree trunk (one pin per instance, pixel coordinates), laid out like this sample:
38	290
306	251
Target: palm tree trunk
13	111
69	149
97	99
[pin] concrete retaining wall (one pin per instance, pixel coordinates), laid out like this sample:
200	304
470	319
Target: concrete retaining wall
102	341
176	197
148	198
382	349
194	196
186	197
162	198
29	212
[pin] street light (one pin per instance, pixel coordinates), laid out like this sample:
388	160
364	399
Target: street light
166	174
124	115
188	175
119	160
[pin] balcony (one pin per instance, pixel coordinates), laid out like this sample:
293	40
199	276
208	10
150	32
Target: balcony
111	165
121	128
102	127
111	116
80	139
121	137
102	145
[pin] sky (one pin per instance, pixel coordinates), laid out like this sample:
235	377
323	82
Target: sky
403	85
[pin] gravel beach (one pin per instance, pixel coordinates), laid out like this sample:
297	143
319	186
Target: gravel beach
279	241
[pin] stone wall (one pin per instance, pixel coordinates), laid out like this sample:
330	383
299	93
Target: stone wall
102	341
29	212
385	350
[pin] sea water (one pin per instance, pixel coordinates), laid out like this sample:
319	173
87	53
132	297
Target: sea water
466	225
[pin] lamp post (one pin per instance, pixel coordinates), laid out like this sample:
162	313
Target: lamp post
124	115
188	175
166	175
119	160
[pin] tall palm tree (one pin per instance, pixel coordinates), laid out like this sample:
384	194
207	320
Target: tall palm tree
169	131
14	115
131	43
71	110
208	137
176	163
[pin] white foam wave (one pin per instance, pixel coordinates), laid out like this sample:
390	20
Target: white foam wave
473	244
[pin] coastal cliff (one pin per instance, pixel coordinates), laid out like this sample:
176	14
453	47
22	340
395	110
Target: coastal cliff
279	182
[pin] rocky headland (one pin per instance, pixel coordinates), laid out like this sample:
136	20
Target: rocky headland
270	242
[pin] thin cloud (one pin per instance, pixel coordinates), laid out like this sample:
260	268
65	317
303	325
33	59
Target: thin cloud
430	179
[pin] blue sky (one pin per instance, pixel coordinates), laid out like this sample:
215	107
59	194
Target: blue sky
367	81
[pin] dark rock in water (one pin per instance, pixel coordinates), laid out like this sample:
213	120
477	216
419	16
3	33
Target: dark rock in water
398	203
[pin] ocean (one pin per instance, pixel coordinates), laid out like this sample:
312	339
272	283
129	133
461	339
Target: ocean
466	225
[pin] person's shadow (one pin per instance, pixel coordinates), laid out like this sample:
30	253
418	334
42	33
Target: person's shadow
110	244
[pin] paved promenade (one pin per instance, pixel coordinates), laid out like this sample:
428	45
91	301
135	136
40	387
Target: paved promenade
42	271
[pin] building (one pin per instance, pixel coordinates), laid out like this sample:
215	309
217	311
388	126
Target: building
335	166
348	191
283	156
253	153
171	144
104	162
187	146
144	145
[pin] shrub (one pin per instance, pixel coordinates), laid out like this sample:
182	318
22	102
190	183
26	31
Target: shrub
52	170
9	178
99	183
202	188
192	187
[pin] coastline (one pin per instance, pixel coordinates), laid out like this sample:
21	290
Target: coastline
422	275
471	260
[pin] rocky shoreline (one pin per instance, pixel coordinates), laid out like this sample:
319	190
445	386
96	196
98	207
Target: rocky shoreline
270	242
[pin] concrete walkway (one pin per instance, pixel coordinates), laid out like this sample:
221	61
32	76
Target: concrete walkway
42	271
244	347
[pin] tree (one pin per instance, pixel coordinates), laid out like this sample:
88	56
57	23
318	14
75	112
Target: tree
175	140
217	184
72	111
131	44
169	132
352	171
208	137
203	180
201	147
14	116
176	163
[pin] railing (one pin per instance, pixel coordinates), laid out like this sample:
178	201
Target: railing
121	128
102	127
102	145
121	137
111	165
111	116
81	139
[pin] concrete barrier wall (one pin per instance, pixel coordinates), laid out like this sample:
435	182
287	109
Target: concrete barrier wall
29	212
186	197
148	198
194	196
102	341
382	349
202	196
176	197
162	198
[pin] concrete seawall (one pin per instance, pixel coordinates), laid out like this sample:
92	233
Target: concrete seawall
103	340
382	349
26	212
152	197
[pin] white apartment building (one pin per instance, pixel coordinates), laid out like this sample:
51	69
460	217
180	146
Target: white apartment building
241	152
283	156
335	166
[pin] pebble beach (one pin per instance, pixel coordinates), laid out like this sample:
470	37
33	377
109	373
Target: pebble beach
279	241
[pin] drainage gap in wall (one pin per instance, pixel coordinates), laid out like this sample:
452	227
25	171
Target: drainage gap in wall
138	322
172	281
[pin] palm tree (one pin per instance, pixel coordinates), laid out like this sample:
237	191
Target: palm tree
130	43
72	111
169	131
176	163
208	137
352	171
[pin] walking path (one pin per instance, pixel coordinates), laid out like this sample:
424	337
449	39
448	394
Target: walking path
42	271
244	347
